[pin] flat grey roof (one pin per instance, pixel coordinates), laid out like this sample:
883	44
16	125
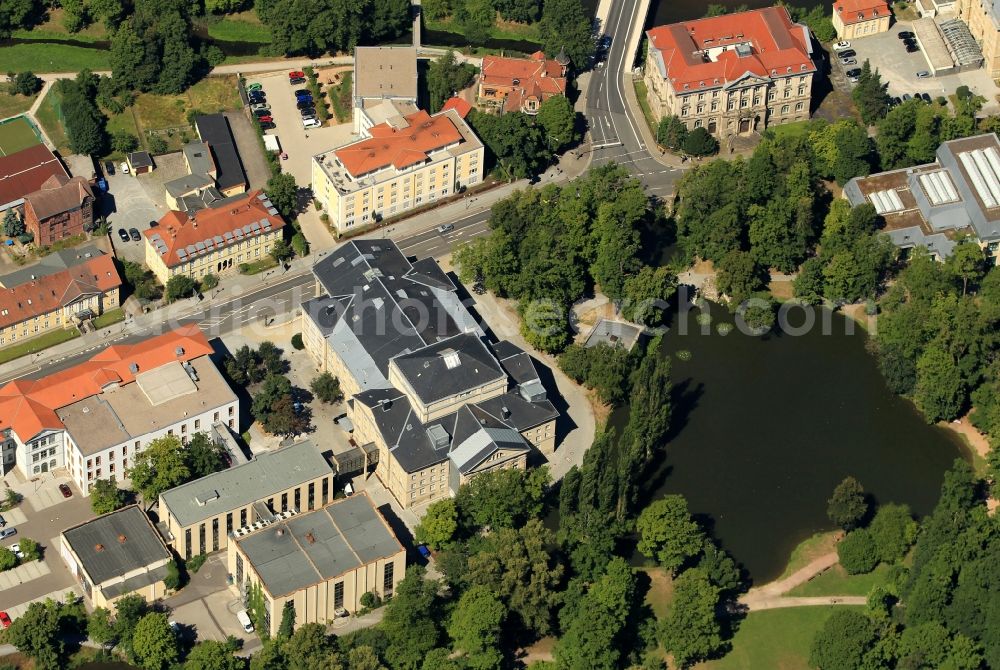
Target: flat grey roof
116	543
307	549
242	485
385	72
613	333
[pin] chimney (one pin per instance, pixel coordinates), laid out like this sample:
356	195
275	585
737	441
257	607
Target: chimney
121	539
98	547
310	538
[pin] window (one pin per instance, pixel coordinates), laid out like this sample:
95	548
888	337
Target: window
298	499
201	538
338	595
798	107
197	424
697	124
802	90
239	569
784	109
231	409
387	580
284	502
184	428
215	534
187	544
229	523
325	495
243	518
788	92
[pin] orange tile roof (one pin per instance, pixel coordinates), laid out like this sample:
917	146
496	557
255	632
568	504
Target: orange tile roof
183	238
51	292
399	147
778	47
534	76
856	11
29	406
461	107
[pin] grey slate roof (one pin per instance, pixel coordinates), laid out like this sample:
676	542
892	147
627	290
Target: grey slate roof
213	129
515	361
449	367
241	485
520	413
57	261
187	183
141	547
306	549
135	583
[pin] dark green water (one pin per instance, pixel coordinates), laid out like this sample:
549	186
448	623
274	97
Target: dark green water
765	428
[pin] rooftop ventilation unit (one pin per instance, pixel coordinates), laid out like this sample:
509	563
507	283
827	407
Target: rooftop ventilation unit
451	358
438	436
206	497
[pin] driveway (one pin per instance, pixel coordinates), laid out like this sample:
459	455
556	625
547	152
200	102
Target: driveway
207	606
899	69
131	206
252	156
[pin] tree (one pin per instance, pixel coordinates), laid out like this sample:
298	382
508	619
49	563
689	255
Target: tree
445	77
817	20
180	287
309	648
160	466
437	528
326	387
283	193
154	643
284	419
287	626
566	27
893	531
172	580
503	498
153	49
690	631
365	658
300	245
594	624
12	224
36	633
847	506
8	559
475	627
857	552
105	496
129	610
100	626
738	277
558	119
212	655
25	83
870	94
647	293
671	132
297	342
209	281
124	142
843	641
515	142
699	142
967	262
281	251
83	121
204	456
410	622
668	534
940	391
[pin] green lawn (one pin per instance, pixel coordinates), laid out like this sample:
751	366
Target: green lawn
641	92
836	582
12	105
810	549
775	639
790	129
257	267
340	96
42	58
53	28
661	590
39	343
17	135
111	316
243	27
48	116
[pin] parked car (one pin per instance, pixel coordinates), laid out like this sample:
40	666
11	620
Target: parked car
123	167
16	548
5	620
308	117
926	97
244	620
311	123
912	48
65	490
266	119
3	521
907	96
262	112
109	168
923	74
854	72
905	35
850	53
267	125
296	74
840	46
423	550
296	82
854	80
259	105
306	99
848	61
134	234
299	92
7	532
257	97
307	111
302	104
896	101
255	86
123	235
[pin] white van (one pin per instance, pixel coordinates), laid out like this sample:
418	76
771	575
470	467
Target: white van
311	123
244	620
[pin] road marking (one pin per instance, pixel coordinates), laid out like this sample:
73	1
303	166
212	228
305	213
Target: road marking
621	75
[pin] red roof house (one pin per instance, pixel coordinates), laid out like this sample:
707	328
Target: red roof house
521	84
24	172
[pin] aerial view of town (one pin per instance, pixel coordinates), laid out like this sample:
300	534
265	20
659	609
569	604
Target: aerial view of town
499	334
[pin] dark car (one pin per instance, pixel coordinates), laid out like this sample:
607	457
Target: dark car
261	112
109	168
303	104
926	97
65	490
256	97
299	92
905	35
897	101
307	111
907	43
854	72
296	82
304	98
123	234
850	53
910	48
267	125
134	234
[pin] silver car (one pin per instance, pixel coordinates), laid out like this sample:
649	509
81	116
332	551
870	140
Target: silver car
7	532
848	61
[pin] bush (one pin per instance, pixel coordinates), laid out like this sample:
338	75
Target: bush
963	92
370	600
157	145
208	282
25	83
123	142
700	143
893	530
195	562
297	342
300	245
8	560
32	550
172	580
857	552
179	287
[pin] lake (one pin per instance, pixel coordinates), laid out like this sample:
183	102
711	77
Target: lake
765	428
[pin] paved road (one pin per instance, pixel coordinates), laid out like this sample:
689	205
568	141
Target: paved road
614	129
433	243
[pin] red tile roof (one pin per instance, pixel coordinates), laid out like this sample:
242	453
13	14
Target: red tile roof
24	172
461	107
49	293
778	47
856	11
529	77
29	406
212	228
399	147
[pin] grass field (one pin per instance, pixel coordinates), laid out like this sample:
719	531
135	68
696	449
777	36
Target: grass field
810	549
661	591
110	317
40	58
776	639
39	343
790	129
53	29
48	116
15	135
836	582
241	27
641	92
11	105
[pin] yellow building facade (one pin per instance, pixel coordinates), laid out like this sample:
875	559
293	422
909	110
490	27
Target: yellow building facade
853	19
984	24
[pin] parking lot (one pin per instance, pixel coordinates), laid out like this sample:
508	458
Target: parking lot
299	143
899	69
132	206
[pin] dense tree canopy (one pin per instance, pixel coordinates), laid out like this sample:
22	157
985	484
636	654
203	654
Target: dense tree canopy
329	26
445	77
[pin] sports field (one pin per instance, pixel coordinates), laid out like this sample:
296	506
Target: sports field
17	134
